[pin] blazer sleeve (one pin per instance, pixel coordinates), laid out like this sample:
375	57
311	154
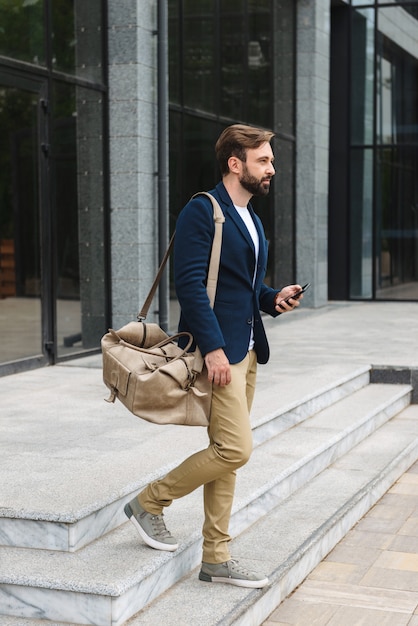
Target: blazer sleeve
267	300
192	247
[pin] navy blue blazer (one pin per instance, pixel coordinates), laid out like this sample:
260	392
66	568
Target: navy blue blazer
237	303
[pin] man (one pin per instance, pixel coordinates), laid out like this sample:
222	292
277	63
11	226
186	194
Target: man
232	340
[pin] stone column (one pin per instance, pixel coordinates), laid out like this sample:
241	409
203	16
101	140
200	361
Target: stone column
133	154
312	137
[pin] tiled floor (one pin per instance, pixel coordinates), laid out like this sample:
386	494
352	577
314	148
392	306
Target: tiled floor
371	576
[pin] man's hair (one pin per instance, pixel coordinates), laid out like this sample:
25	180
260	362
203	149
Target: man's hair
235	140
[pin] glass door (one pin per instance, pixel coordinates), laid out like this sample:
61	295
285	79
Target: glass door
54	223
23	316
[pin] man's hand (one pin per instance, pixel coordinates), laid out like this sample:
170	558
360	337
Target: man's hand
219	371
280	304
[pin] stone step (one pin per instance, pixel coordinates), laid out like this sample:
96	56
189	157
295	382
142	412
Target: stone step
58	492
293	539
292	458
110	580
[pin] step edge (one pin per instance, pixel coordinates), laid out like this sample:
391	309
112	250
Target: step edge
243	506
334	441
361	501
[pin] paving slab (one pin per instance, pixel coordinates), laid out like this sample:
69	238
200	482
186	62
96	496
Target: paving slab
371	576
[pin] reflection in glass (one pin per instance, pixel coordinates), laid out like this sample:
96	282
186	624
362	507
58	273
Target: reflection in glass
198	158
20	273
22	30
279	221
397	163
193	165
408	5
78	177
246	61
221	58
233	66
199	57
362	77
397	78
397	228
361	224
259	63
77	38
284	68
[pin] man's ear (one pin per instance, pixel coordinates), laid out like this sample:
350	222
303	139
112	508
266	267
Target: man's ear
234	165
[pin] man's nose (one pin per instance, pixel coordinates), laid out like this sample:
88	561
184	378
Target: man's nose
271	170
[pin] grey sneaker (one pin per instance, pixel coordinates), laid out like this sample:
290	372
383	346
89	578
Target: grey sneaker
232	573
151	527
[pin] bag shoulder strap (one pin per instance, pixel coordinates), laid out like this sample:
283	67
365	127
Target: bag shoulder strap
215	257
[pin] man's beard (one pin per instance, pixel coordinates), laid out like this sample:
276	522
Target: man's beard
254	185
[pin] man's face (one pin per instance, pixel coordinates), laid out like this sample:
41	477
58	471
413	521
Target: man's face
258	170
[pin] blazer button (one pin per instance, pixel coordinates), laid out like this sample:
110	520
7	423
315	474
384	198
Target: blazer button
249	322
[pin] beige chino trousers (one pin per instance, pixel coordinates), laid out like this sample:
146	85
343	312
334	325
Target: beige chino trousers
230	447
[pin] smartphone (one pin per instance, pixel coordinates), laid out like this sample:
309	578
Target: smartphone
298	293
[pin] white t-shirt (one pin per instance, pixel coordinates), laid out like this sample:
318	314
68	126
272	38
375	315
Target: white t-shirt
245	215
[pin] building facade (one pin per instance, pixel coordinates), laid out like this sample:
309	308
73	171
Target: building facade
109	112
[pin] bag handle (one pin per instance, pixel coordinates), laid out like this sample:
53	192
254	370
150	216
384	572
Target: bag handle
161	344
215	257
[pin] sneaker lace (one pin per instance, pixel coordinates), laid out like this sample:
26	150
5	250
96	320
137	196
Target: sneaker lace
234	566
159	526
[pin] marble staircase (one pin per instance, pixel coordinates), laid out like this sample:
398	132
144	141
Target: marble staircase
318	466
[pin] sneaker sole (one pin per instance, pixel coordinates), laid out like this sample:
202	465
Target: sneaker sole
152	543
238	582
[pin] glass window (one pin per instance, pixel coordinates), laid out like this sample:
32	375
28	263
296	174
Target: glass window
220	58
246	61
361	224
199	73
77	38
385	121
397	81
362	78
397	162
51	176
279	222
259	63
398	2
383	227
397	226
284	68
79	223
198	156
233	65
20	263
22	30
221	72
